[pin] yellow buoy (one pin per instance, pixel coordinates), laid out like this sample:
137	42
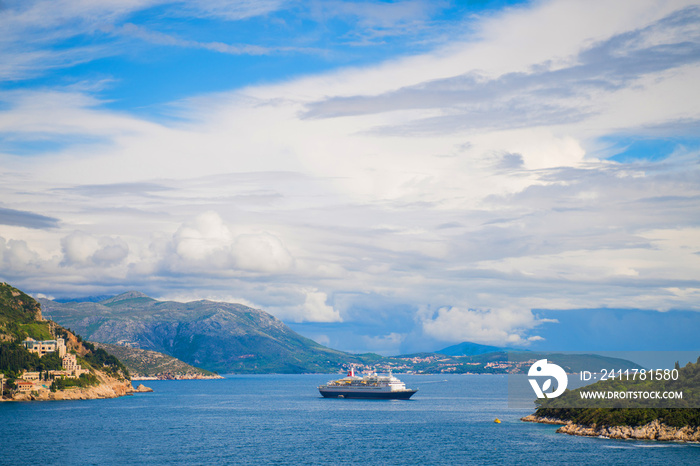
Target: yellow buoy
497	421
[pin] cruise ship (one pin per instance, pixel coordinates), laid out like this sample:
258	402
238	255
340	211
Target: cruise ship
385	387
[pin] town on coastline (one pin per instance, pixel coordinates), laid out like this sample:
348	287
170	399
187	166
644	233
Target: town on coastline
42	360
442	364
42	381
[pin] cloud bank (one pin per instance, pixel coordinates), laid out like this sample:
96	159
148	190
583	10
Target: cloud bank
511	168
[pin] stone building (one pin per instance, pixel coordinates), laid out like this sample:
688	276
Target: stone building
23	386
70	365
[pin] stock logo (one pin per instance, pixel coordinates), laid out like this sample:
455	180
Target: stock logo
542	368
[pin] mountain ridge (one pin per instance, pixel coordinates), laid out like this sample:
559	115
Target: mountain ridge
468	348
125	296
216	336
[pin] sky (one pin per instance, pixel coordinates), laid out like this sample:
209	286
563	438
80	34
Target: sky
382	176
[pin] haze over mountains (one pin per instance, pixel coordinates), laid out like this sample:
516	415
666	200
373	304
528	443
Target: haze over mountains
216	336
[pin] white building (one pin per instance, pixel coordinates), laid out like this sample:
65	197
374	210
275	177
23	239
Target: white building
30	376
42	347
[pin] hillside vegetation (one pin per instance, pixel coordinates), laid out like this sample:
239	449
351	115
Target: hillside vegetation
685	412
21	317
145	363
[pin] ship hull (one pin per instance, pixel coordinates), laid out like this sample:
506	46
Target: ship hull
376	395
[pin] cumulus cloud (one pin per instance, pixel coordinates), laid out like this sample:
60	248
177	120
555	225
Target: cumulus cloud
314	308
83	249
17	256
261	253
204	238
478	172
500	326
208	243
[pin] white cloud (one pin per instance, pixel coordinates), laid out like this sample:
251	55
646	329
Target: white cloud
498	326
262	253
471	174
207	243
17	256
315	307
204	238
82	249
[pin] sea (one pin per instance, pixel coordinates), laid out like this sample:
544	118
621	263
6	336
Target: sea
282	419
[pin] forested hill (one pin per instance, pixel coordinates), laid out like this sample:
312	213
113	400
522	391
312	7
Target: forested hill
21	317
632	412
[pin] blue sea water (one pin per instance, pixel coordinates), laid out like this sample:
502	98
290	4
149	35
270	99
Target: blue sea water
282	419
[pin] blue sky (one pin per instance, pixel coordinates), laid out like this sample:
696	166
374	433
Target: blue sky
383	176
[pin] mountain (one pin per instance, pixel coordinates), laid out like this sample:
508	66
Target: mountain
220	337
468	348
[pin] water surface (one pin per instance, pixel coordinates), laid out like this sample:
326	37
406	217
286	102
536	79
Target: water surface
282	419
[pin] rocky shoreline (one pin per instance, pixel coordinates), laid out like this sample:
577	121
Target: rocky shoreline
109	387
177	377
654	430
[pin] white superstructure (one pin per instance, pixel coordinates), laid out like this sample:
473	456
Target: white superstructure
369	386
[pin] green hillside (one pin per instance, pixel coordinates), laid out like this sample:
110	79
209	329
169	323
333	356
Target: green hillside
145	363
21	317
634	412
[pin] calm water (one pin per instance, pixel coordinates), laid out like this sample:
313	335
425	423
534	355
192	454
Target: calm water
281	419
